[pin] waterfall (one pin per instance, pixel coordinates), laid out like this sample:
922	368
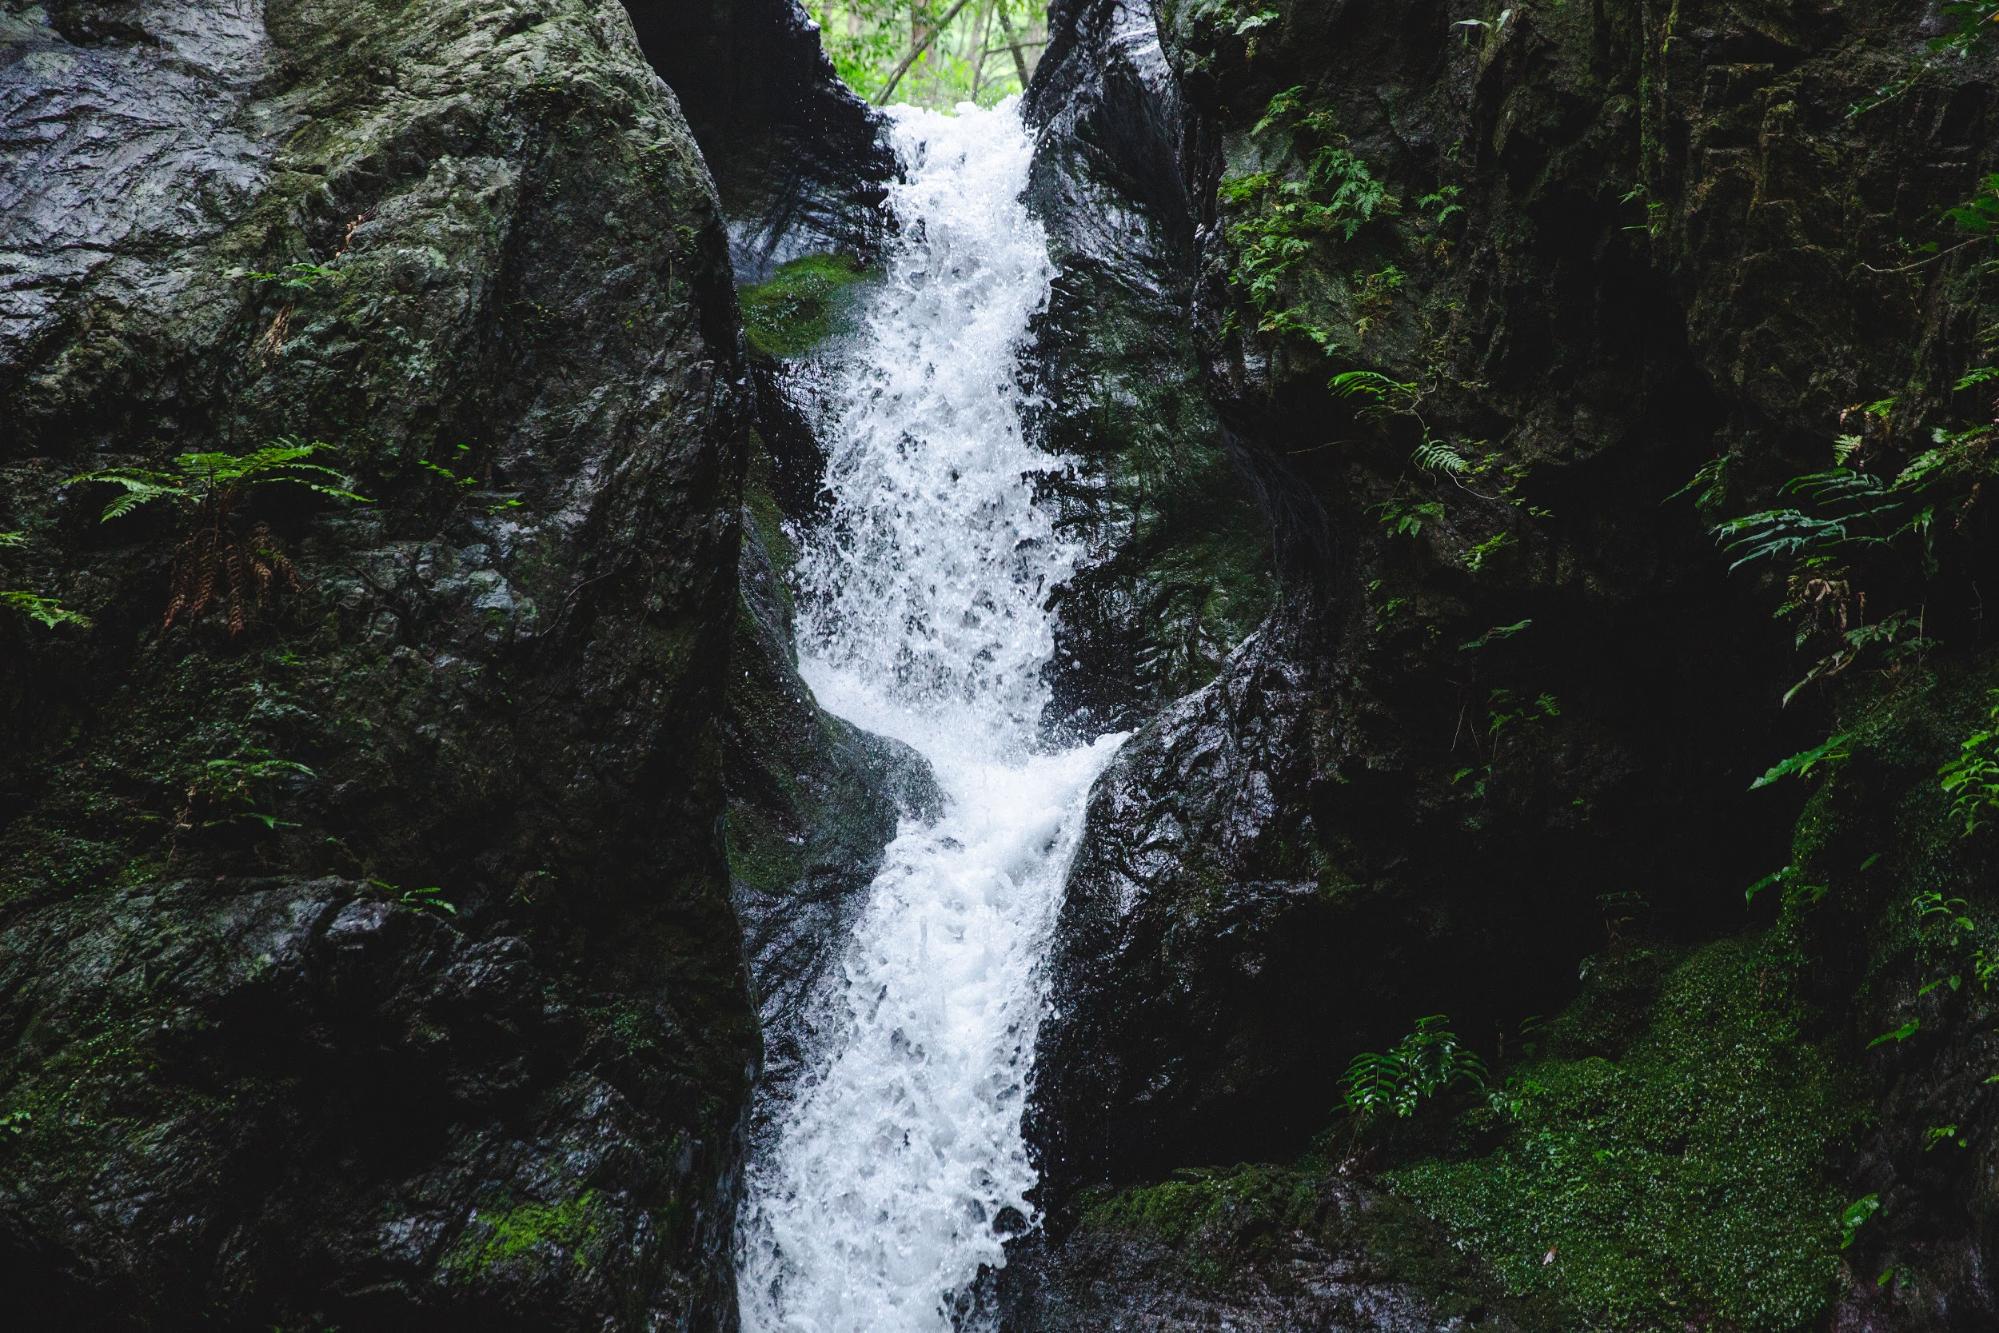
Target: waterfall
898	1168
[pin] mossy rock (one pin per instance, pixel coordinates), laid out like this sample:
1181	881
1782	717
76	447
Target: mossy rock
574	1229
1682	1184
801	305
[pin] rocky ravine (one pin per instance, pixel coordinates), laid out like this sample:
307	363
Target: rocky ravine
1485	752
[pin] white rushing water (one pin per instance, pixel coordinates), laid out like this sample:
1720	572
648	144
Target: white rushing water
874	1202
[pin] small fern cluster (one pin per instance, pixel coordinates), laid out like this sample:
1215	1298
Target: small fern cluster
227	559
1852	529
1282	217
1971	779
1429	1061
44	611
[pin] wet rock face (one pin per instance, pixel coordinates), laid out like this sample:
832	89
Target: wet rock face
261	1073
798	157
813	803
1507	712
1162	491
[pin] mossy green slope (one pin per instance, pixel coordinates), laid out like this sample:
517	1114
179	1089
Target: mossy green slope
1684	1180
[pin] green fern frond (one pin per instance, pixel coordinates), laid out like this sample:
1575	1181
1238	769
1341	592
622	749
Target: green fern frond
1435	455
45	611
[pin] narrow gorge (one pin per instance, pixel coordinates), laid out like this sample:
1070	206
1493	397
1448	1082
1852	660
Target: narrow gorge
854	666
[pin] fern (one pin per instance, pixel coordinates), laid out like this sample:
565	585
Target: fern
1971	780
196	478
1429	1061
1279	223
1800	765
44	611
1434	455
225	560
1380	393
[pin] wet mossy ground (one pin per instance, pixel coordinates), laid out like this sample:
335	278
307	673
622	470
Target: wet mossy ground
1298	1236
1684	1180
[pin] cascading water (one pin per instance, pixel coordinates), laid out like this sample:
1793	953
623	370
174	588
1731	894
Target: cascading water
889	1180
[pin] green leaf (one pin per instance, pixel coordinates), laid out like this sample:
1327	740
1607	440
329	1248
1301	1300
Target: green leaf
1902	1033
1801	764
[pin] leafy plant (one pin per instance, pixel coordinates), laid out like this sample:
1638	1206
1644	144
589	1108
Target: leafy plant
1854	1216
933	54
298	277
15	1123
226	559
430	898
1379	394
1405	518
1476	557
1427	1062
1279	218
1496	634
1709	487
1971	780
1936	1135
204	480
45	611
1441	204
1801	764
238	789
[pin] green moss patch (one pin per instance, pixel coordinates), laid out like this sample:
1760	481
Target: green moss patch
575	1227
1681	1184
803	304
1242	1226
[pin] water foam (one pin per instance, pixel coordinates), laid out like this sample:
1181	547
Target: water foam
886	1185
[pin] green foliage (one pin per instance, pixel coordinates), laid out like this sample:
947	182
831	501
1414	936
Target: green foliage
1854	1216
1849	524
1971	779
225	559
1881	515
1434	455
1441	204
1681	1182
1379	394
240	788
1497	634
429	898
298	277
1429	1061
801	306
1404	517
197	480
1277	219
1802	764
15	1123
934	53
44	611
1709	487
1971	23
1477	556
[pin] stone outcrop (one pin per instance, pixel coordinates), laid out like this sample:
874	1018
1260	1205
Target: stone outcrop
257	1073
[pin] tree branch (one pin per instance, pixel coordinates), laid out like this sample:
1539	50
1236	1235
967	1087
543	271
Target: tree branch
936	30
